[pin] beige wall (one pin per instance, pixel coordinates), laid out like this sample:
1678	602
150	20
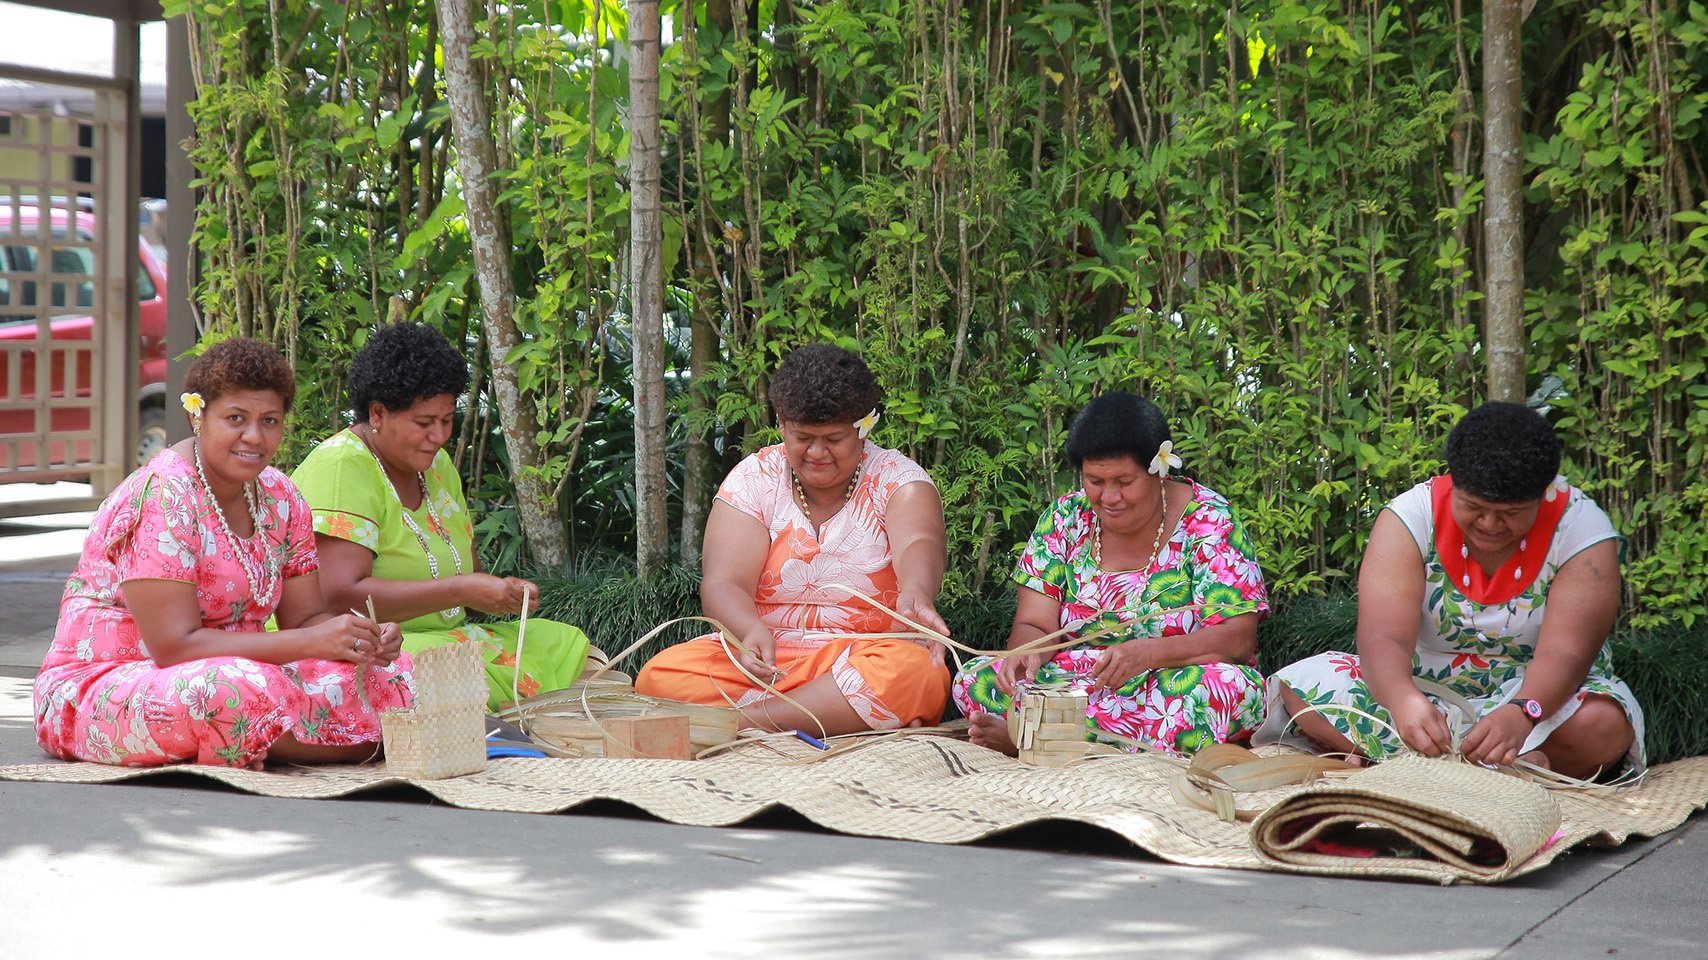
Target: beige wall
19	161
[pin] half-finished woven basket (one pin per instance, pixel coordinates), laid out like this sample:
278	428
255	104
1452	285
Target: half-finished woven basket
1465	823
444	733
558	721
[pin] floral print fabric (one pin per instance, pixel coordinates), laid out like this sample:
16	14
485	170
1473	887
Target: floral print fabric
1206	572
348	493
797	597
1477	650
100	697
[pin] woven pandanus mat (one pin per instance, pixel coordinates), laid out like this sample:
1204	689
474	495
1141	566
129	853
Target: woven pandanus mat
1437	821
930	789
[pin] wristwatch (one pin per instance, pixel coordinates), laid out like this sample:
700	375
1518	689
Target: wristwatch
1532	709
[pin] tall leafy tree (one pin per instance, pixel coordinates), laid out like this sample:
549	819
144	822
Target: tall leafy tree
646	289
489	234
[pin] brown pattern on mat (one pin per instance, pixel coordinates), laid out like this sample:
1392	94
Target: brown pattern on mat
929	789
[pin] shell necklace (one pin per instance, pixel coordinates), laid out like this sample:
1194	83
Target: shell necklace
847	495
258	573
450	614
1156	548
1467	623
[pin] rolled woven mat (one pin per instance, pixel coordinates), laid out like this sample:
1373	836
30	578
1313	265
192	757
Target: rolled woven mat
1430	819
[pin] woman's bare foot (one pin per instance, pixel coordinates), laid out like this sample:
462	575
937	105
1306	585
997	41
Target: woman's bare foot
991	730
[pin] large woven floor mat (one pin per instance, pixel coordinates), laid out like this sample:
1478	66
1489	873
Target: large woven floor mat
929	789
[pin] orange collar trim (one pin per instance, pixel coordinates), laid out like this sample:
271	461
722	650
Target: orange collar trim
1518	572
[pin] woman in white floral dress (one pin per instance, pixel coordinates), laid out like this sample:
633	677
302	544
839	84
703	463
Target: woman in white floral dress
1498	581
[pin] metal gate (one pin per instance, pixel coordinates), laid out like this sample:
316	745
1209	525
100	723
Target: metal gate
68	297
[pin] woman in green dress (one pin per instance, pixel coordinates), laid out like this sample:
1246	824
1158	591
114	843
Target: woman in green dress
391	524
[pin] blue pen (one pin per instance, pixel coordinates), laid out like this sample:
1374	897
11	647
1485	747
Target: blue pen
811	739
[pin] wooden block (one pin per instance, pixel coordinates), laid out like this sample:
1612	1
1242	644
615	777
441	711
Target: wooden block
650	738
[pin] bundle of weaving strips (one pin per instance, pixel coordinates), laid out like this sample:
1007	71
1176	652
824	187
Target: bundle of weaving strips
570	722
1430	819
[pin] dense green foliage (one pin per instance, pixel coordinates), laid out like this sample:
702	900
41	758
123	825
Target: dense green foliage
1266	219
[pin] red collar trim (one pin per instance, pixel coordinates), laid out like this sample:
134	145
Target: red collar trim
1517	574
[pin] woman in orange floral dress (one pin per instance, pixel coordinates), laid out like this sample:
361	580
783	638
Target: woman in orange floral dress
793	523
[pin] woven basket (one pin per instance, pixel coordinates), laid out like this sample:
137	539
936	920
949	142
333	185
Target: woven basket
1467	823
557	720
444	733
1048	727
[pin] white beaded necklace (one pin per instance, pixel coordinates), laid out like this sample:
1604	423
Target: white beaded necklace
259	574
847	495
450	614
1156	549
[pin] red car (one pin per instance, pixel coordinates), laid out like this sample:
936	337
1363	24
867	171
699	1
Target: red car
70	299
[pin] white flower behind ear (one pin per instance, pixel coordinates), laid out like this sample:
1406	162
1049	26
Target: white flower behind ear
1165	459
865	424
193	403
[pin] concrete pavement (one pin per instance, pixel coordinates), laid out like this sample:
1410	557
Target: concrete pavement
174	866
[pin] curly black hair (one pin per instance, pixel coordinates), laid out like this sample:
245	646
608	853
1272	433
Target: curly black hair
1503	453
241	363
822	383
1116	425
403	364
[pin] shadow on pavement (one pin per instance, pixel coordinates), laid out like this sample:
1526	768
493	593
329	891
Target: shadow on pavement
612	875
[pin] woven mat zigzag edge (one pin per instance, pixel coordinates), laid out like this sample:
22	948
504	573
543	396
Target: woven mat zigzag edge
1001	795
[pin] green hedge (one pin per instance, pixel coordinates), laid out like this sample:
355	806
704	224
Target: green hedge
1664	667
1265	216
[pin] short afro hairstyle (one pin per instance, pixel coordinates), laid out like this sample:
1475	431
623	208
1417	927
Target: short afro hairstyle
1503	453
1114	425
239	364
402	365
822	383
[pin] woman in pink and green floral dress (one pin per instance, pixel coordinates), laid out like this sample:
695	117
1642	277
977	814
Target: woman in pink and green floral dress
1168	558
161	653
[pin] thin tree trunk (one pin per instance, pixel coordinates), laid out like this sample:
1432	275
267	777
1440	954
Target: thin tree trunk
646	289
1461	142
471	124
1503	219
710	297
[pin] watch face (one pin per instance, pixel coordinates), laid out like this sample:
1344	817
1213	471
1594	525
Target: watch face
1533	709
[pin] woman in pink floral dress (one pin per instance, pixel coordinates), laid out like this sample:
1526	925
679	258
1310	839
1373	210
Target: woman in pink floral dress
161	653
1168	557
792	524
